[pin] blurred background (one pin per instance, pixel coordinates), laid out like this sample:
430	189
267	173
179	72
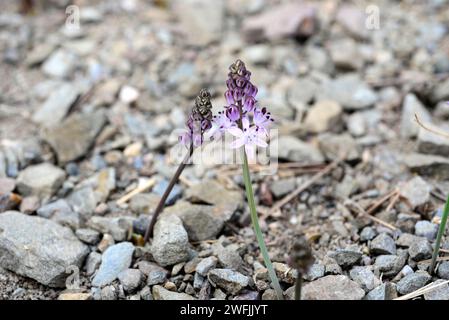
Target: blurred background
96	88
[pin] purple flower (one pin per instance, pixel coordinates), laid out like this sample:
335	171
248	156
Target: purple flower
241	117
250	137
199	121
233	112
220	124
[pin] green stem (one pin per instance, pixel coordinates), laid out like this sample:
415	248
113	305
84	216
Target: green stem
440	235
258	232
298	285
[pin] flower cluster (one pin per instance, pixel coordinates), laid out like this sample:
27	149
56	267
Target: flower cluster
242	117
199	121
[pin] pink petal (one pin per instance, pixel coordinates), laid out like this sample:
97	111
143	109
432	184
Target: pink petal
237	143
250	151
236	132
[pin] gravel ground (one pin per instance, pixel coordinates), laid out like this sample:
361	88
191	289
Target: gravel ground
89	114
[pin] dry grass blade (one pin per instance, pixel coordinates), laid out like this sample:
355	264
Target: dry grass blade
278	205
436	131
373	207
422	290
366	214
136	191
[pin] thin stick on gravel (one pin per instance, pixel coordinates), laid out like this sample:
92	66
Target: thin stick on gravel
136	191
373	207
393	202
278	205
436	131
422	290
365	213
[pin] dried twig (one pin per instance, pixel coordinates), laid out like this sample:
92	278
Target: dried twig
136	191
422	290
373	207
366	214
433	130
278	205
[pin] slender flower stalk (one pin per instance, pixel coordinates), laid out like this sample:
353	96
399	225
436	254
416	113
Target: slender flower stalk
243	119
198	123
301	259
257	230
440	235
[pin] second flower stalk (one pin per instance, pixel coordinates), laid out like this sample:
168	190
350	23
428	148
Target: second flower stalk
248	123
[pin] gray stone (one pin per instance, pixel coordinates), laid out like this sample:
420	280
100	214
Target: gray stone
302	91
160	293
200	31
230	281
386	291
39	53
60	212
420	249
349	91
346	258
427	165
383	244
332	288
41	180
214	193
293	149
324	116
426	229
229	258
109	293
346	54
315	271
93	262
365	277
88	236
389	265
259	54
130	279
144	203
334	146
285	20
439	293
175	193
443	270
120	228
90	15
38	248
60	64
440	92
83	201
154	273
282	187
56	107
205	265
202	222
353	21
73	137
416	191
413	282
145	294
406	239
431	143
410	107
367	234
115	259
198	281
170	241
356	124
